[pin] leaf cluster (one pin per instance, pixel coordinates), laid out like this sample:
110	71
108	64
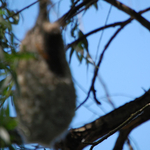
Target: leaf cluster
8	77
81	48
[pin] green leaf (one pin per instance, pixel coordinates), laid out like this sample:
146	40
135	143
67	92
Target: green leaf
2	12
7	111
7	122
80	57
1	83
18	56
84	42
2	66
70	56
4	24
95	5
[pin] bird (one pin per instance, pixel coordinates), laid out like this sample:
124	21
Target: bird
47	100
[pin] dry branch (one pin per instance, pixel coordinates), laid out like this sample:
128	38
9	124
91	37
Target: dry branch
125	131
131	12
79	138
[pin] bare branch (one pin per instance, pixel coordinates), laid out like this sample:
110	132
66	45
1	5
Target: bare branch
125	131
22	9
79	138
132	116
104	27
92	32
73	11
106	91
97	69
122	24
130	12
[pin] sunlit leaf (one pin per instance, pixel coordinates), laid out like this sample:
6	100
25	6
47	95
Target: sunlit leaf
4	135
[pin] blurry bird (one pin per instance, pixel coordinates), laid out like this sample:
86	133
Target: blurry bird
46	104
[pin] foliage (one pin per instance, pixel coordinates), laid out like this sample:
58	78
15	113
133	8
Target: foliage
8	78
7	73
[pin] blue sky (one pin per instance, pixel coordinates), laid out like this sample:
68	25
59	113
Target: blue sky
125	67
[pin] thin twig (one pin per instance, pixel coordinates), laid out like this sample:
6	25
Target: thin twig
123	24
100	39
101	28
22	10
97	68
71	13
92	32
106	91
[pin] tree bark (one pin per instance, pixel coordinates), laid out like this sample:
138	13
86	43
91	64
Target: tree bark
79	138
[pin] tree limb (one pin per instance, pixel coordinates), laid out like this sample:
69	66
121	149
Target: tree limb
122	25
73	12
79	138
125	131
130	12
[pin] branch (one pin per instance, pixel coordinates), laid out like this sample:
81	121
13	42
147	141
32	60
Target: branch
122	24
79	138
97	69
125	131
138	112
130	12
22	10
74	43
72	12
